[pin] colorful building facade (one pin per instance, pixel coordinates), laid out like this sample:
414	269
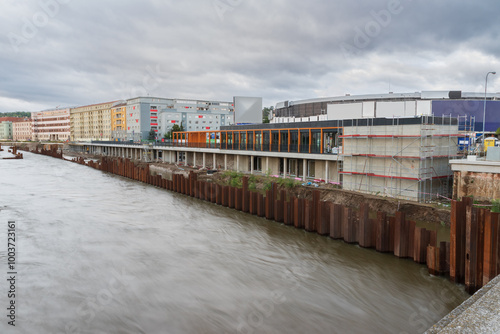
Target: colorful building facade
160	115
119	122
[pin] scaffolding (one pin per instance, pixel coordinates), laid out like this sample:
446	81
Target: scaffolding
407	159
466	127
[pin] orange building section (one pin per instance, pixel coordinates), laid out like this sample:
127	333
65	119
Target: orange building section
299	140
119	117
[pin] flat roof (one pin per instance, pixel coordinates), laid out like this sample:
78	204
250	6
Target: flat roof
343	123
424	95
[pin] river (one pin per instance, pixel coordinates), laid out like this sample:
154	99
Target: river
97	253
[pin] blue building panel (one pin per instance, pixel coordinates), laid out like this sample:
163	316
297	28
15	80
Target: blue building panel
470	108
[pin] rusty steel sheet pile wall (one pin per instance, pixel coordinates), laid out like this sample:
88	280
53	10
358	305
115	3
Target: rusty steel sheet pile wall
472	257
13	150
474	245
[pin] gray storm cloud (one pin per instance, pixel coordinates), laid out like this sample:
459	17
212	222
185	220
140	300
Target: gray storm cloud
71	52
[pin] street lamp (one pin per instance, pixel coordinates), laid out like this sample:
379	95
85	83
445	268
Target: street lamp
484	112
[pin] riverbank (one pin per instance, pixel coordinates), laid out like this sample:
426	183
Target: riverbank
328	192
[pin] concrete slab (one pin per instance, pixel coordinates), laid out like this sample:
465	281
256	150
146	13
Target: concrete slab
480	314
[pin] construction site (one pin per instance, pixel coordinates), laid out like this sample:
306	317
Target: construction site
407	158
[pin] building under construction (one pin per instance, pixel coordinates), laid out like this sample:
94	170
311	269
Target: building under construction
407	158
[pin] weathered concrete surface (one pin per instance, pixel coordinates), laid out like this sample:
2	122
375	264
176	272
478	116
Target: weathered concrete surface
480	179
478	314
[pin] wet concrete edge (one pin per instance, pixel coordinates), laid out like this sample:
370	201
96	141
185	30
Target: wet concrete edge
457	313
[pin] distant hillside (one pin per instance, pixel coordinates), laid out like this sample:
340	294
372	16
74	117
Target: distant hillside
16	114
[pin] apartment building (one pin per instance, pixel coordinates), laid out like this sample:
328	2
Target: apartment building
22	131
51	125
92	122
119	122
5	130
161	114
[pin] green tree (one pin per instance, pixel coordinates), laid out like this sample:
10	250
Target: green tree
265	114
175	128
152	135
20	114
497	133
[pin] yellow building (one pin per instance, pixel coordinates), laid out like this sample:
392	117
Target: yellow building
92	122
119	122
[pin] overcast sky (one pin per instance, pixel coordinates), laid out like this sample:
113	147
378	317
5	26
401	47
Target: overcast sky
76	52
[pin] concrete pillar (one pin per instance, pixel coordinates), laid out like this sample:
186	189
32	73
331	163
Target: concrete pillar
194	159
140	155
204	159
170	157
225	161
327	165
214	166
237	162
251	164
267	165
284	166
304	169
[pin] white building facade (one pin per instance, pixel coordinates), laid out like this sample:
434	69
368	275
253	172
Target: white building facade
51	125
22	131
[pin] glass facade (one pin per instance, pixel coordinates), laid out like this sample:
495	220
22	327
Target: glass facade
296	140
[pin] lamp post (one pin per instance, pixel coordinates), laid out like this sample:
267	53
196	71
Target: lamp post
484	112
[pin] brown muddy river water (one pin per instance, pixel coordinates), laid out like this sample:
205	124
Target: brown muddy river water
97	253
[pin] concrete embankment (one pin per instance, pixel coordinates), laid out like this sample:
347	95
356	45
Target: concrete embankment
480	314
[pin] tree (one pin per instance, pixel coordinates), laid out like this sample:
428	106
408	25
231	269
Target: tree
20	114
497	133
152	135
265	114
175	128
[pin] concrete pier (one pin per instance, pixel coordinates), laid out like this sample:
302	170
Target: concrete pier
480	314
